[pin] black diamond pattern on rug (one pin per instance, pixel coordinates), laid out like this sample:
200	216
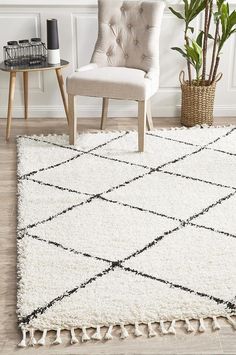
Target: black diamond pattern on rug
124	188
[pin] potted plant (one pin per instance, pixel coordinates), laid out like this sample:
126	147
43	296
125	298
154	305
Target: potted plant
198	91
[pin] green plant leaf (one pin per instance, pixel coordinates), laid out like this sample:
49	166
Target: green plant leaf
176	13
192	55
232	19
227	23
198	51
200	38
223	18
210	36
180	50
191	28
219	3
231	32
198	6
186	7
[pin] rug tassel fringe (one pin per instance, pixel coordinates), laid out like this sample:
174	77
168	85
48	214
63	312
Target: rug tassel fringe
97	335
162	328
188	326
215	324
201	327
85	336
172	330
108	335
151	331
124	334
42	340
137	331
73	339
231	322
32	341
22	344
123	331
58	337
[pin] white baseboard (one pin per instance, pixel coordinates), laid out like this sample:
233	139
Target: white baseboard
130	110
114	111
221	110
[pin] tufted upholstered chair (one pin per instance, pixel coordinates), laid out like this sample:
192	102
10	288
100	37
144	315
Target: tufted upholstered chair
125	61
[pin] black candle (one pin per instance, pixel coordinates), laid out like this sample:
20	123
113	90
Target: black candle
53	42
52	34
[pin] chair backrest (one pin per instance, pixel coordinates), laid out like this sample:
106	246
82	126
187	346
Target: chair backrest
128	34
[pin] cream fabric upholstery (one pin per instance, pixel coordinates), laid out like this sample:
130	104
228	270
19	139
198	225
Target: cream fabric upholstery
125	62
113	82
128	34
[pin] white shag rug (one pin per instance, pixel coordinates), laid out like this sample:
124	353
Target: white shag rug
109	236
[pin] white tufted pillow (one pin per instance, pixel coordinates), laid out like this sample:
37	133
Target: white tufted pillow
128	34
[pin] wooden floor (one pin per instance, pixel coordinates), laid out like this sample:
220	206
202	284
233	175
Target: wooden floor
222	342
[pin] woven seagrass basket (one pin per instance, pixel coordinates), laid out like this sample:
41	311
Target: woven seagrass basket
197	102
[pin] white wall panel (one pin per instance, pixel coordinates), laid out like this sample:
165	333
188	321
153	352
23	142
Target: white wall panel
78	31
84	23
15	26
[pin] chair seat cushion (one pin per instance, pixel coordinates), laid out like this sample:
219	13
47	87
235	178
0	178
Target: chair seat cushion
112	82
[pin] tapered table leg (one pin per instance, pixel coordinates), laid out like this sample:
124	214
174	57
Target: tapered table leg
12	85
61	85
26	93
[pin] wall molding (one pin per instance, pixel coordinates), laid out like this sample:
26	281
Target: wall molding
92	111
77	29
26	16
74	3
127	110
51	3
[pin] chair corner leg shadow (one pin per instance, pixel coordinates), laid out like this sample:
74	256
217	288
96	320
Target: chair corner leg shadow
72	120
105	102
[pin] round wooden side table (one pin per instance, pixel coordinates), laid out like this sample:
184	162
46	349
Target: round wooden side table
25	70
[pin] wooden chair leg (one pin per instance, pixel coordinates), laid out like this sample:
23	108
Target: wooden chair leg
149	116
72	120
142	111
105	102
